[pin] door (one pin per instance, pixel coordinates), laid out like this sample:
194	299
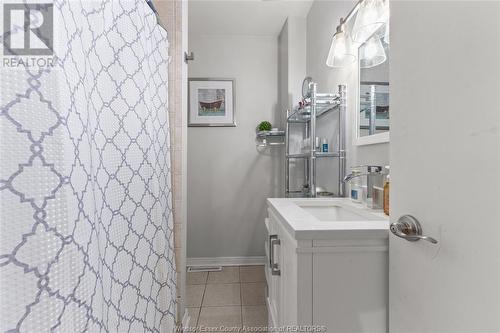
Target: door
445	165
272	274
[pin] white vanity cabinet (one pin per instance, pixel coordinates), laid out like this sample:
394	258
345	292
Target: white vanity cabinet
321	277
283	292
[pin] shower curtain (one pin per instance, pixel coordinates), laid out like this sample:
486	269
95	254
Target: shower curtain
86	242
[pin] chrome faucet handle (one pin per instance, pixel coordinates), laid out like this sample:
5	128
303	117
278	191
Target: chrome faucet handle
369	168
374	168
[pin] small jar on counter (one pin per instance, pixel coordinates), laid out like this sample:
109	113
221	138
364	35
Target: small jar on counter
356	183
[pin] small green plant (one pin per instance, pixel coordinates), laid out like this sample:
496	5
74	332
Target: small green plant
264	126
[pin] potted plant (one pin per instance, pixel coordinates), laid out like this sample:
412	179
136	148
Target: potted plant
264	126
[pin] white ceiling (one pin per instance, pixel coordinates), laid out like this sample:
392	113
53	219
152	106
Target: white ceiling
243	17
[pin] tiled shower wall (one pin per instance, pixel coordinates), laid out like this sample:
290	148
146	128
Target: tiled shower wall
170	12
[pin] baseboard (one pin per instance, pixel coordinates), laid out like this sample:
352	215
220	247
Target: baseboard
226	261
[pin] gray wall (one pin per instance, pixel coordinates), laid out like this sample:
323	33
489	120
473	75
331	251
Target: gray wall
321	23
229	179
283	75
292	70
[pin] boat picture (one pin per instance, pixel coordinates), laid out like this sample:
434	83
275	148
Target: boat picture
211	102
211	106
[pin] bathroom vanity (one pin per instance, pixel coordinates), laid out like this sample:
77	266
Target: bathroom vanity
327	264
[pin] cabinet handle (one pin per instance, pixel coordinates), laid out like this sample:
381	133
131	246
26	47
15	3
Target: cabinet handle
273	241
271	237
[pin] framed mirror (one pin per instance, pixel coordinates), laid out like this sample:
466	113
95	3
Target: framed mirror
373	114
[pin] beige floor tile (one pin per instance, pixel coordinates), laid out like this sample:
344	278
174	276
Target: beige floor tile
253	293
194	295
216	316
193	314
254	316
222	295
227	275
196	277
252	274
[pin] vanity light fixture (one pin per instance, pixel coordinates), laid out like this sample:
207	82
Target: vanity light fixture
372	14
341	51
372	53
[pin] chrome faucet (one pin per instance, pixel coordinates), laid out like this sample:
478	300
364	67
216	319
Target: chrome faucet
374	177
370	170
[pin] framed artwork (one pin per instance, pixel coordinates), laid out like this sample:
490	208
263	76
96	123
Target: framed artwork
211	102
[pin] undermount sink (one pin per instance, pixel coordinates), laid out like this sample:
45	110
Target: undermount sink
329	218
337	212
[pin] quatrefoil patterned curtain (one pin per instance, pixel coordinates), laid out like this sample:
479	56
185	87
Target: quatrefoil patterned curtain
86	242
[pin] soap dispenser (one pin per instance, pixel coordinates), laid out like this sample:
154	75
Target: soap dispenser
356	193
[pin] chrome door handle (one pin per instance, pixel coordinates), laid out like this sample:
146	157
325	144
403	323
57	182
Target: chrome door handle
273	240
408	227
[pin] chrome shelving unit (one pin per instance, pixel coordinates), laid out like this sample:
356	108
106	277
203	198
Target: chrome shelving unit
270	138
371	98
319	104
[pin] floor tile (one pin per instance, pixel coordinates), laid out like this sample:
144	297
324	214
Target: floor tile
252	274
216	316
196	277
254	316
222	294
194	295
227	275
253	293
193	314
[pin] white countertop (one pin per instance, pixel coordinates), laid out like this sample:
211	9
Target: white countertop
303	225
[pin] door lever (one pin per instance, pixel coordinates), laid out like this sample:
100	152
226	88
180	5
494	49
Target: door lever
408	227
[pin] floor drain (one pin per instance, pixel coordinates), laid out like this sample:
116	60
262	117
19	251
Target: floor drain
204	269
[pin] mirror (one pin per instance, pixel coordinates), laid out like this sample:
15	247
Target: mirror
373	90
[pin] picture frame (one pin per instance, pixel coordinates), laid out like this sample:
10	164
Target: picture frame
211	102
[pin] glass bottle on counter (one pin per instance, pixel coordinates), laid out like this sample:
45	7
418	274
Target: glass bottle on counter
386	192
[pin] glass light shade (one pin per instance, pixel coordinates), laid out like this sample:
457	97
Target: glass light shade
341	52
372	53
372	15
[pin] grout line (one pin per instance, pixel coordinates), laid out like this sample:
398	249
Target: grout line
201	305
241	297
204	293
221	306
